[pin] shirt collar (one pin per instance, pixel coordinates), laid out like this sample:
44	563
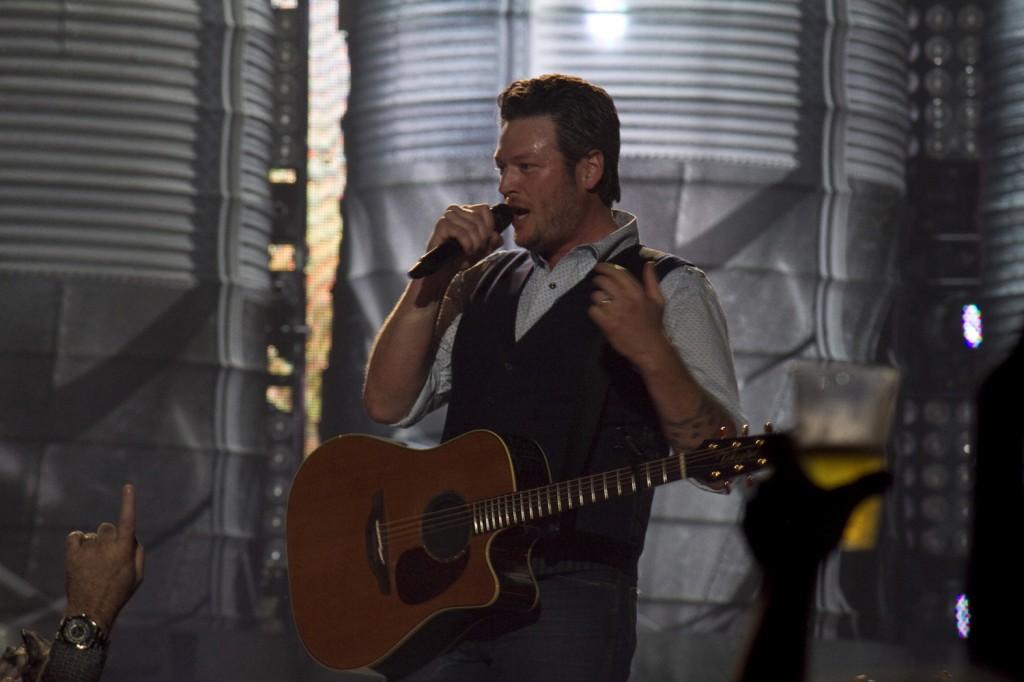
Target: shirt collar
625	235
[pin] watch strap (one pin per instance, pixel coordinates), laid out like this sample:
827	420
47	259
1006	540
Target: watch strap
68	663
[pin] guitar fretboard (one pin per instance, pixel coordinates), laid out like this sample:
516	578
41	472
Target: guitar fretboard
519	507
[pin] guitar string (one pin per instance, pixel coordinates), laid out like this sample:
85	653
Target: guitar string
507	510
511	505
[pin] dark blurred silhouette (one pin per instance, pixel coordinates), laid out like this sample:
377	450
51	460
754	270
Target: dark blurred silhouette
791	526
993	590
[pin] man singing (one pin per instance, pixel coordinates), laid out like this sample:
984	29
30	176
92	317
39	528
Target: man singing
520	342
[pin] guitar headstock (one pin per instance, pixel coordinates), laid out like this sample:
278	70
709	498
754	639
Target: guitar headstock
723	459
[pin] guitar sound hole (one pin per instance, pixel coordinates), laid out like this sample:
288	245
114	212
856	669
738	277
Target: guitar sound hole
447	526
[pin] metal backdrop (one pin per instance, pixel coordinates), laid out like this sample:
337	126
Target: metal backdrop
763	140
134	219
1001	211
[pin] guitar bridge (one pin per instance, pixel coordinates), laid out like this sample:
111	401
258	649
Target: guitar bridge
377	544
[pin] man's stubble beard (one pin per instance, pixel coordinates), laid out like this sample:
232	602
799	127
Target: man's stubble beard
564	213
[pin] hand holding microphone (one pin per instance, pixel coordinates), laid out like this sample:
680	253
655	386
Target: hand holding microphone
468	223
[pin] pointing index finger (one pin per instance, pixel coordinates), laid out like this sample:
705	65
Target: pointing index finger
126	525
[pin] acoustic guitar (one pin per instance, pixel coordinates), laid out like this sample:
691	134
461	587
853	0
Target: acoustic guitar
394	553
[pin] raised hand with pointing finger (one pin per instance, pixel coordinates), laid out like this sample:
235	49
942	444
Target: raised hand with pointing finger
103	569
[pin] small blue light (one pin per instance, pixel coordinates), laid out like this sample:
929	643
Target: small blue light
970	315
963	616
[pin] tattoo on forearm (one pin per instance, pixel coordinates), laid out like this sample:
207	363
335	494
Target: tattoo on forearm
692	430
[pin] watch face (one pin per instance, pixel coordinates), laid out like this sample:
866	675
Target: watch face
79	631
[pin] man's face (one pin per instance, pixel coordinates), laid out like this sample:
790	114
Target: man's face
548	199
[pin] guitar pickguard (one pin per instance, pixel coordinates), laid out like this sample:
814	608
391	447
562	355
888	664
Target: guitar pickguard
420	578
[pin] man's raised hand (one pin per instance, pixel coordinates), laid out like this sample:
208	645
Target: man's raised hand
103	569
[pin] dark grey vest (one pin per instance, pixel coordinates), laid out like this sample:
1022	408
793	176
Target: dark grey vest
532	388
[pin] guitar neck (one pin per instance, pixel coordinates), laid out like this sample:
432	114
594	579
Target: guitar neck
714	461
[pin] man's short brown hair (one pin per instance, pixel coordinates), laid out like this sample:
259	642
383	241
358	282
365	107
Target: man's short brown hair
584	116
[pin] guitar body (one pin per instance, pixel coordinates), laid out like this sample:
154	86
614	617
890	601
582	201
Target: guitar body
372	585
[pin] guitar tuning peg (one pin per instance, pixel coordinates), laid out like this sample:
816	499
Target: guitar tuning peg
723	432
769	427
745	430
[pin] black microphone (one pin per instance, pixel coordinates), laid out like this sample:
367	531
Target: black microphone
432	260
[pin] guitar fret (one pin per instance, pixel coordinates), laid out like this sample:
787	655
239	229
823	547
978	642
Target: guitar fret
522	506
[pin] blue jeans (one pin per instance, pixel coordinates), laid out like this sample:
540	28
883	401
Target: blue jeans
584	630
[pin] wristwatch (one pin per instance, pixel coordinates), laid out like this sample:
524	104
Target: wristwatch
81	632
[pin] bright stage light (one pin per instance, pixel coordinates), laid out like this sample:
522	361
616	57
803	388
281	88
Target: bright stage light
607	23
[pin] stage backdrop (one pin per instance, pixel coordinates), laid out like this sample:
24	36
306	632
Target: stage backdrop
764	141
134	221
1002	202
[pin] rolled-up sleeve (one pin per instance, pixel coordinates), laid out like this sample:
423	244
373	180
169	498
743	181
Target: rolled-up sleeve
697	328
438	385
437	388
